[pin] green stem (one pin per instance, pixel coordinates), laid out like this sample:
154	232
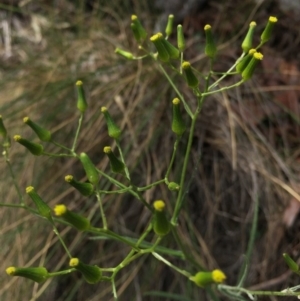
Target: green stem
57	155
224	88
179	200
187	108
60	145
61	272
12	174
150	186
172	158
77	132
61	240
184	273
122	159
101	210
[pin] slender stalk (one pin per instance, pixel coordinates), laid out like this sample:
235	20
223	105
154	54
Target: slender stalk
77	132
61	240
101	210
172	158
151	185
122	159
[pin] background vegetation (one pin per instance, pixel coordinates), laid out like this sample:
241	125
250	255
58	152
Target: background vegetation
246	145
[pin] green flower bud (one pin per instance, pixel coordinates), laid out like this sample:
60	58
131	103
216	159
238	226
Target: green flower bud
81	100
210	46
77	221
247	43
161	225
178	126
249	70
266	35
35	148
191	78
91	273
173	186
290	262
172	50
203	279
126	54
138	30
43	209
90	169
113	130
245	61
180	38
37	274
85	189
169	27
157	40
116	165
3	131
43	134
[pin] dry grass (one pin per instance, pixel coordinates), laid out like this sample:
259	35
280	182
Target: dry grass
246	147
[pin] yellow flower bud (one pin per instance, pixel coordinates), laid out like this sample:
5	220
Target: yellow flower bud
81	100
247	43
35	148
161	225
266	35
203	279
37	274
113	130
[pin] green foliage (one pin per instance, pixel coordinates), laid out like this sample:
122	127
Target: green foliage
170	60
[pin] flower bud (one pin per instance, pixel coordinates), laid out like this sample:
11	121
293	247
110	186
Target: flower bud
249	70
290	262
162	51
91	273
81	100
210	46
113	130
266	35
37	274
203	279
161	225
3	131
173	186
138	30
77	221
172	50
169	27
247	43
245	61
191	78
116	165
178	126
90	169
85	189
35	148
180	38
43	209
43	134
125	54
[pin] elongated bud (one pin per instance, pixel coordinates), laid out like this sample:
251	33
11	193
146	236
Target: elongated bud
85	189
249	70
116	165
125	54
245	61
138	30
266	35
210	46
37	274
173	186
77	221
190	77
43	209
172	50
169	28
290	262
91	273
178	126
161	225
203	279
180	38
247	43
3	131
90	169
42	133
162	51
81	100
113	130
35	148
